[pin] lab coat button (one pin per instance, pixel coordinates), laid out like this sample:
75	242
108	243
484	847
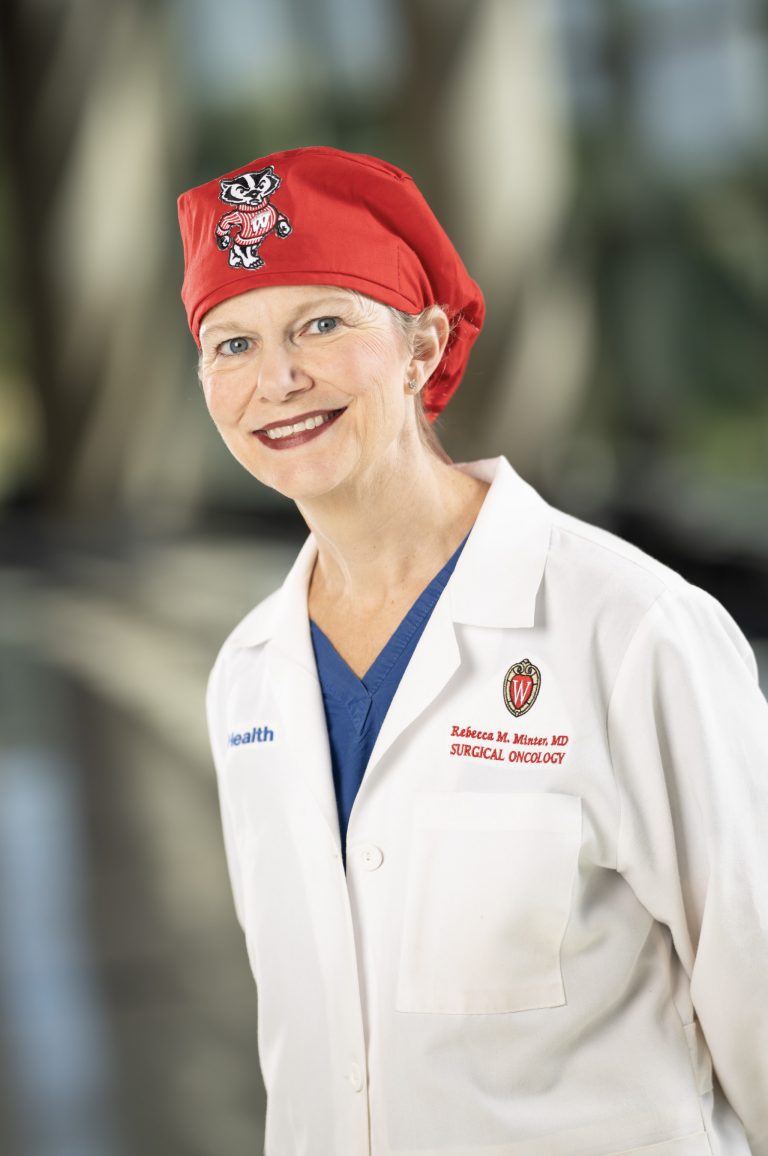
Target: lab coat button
371	856
355	1077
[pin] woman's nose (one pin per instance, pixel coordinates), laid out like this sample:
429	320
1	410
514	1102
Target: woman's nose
279	374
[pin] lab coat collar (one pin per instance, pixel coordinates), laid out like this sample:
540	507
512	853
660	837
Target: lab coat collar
494	584
499	571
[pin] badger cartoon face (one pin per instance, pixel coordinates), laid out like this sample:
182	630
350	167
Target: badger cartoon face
249	188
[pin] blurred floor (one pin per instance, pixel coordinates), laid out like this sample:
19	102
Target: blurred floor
127	1008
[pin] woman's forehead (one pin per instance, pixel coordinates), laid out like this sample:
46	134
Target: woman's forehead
279	301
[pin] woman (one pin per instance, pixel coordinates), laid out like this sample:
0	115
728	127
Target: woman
492	780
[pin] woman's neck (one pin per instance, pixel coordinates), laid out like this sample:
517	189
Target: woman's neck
391	533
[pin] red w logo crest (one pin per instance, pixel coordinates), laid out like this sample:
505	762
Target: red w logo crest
521	686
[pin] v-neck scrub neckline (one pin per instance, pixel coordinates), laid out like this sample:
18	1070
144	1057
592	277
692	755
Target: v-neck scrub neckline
355	707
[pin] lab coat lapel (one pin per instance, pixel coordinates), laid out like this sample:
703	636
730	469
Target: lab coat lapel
292	676
495	584
433	663
498	576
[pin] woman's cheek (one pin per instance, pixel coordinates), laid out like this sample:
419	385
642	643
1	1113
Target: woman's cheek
223	396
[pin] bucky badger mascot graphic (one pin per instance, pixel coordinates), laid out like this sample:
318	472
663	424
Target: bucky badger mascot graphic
243	229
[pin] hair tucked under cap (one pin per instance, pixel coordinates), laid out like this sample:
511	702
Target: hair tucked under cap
320	216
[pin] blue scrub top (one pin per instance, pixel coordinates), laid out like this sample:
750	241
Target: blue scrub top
355	707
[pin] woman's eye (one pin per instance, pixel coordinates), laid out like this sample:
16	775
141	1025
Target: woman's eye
234	345
325	324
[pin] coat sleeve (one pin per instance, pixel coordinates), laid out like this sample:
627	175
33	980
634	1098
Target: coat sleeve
216	731
688	731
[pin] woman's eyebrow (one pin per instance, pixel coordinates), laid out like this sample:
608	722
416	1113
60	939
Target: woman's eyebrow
229	326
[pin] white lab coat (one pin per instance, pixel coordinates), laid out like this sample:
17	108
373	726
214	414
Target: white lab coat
539	952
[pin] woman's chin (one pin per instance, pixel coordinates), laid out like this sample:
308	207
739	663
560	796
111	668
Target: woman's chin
301	481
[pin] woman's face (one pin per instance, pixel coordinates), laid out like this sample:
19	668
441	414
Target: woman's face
275	356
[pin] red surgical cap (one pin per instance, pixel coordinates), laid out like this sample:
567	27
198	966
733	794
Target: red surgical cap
320	216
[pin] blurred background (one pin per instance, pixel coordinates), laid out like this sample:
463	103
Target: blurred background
602	166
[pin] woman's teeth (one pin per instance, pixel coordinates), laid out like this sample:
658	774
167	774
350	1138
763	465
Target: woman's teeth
285	431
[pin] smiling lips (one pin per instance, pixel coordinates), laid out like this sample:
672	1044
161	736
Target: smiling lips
286	435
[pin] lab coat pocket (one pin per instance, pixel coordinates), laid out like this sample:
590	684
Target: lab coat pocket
488	896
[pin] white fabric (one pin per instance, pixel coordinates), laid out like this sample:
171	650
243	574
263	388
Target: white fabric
562	955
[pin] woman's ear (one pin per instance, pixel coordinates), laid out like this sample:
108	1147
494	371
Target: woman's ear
429	341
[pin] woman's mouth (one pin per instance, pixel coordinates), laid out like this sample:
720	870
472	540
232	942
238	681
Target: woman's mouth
284	437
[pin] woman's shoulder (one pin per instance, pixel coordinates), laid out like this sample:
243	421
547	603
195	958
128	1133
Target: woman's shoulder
625	586
601	551
581	559
625	602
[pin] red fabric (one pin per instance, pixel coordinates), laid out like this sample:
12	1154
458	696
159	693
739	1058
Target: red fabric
339	219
